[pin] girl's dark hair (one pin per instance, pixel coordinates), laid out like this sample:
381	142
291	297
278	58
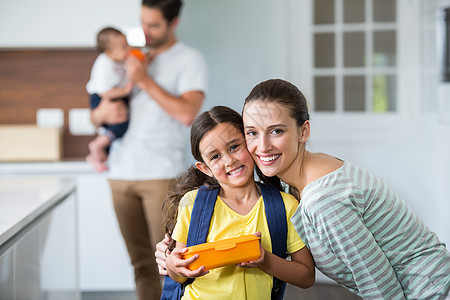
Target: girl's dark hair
169	8
194	178
286	94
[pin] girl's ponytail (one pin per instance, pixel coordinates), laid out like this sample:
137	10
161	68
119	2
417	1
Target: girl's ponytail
190	180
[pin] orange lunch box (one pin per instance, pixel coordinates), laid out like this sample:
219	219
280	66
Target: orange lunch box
224	252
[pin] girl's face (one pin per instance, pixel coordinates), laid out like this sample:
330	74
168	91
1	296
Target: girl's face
226	157
273	138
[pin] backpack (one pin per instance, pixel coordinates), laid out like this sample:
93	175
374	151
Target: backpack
199	228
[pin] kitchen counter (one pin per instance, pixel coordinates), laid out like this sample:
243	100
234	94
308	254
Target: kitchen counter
24	199
45	168
38	237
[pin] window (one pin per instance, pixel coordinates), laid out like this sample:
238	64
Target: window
355	56
358	64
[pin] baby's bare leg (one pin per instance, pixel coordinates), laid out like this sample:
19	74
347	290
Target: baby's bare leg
98	155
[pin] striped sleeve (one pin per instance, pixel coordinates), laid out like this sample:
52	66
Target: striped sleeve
338	221
365	237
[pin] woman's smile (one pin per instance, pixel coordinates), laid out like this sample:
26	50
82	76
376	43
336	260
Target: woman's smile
268	159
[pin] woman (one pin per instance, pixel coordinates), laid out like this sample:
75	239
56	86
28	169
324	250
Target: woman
360	233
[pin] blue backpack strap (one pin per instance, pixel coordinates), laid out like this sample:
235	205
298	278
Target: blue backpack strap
201	215
198	232
171	289
276	220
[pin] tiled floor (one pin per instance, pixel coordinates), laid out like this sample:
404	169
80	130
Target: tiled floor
317	292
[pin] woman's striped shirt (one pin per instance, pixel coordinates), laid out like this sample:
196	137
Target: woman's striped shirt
364	236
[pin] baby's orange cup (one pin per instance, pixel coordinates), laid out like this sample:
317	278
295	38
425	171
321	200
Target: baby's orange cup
138	54
224	252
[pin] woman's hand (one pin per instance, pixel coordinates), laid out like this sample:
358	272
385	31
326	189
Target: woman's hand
257	262
161	253
179	267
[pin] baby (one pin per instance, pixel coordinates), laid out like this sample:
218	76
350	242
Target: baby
108	81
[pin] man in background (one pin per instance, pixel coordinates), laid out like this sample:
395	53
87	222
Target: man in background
171	83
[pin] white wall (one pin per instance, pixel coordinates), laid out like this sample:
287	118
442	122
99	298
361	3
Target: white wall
435	158
62	23
244	42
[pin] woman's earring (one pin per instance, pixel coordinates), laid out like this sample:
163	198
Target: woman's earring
303	140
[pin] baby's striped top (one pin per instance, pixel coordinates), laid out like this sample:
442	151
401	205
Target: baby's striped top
364	236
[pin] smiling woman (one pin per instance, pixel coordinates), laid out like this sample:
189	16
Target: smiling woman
274	138
393	255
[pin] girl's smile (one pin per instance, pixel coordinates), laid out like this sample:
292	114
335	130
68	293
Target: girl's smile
225	156
236	172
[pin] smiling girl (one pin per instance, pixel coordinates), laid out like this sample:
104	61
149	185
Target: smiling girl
218	145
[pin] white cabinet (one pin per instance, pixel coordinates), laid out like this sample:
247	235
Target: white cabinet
104	261
7	274
40	261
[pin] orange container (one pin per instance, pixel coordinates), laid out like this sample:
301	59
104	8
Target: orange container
224	252
138	54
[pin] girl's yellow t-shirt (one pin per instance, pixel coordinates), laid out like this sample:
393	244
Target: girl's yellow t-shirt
232	282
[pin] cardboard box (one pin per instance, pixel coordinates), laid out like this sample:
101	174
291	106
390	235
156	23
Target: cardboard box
30	143
224	252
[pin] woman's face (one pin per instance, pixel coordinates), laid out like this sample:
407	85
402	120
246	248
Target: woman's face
226	157
272	135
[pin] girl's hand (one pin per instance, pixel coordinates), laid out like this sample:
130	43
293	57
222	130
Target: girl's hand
178	266
160	254
257	262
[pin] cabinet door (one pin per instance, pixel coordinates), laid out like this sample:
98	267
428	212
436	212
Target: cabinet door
99	234
59	258
7	274
27	265
41	261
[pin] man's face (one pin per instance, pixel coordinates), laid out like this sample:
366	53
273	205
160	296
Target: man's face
156	29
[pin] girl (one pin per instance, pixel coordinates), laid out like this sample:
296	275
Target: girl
218	145
359	231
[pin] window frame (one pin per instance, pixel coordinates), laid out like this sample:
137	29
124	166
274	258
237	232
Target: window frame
360	125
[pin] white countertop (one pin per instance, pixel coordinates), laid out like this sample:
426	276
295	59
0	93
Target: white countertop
45	168
24	198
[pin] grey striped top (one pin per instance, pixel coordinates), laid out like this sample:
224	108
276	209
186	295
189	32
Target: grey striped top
363	235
